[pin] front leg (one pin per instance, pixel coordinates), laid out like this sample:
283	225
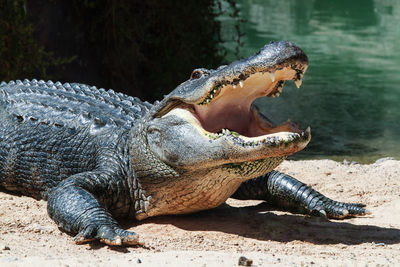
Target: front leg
285	192
75	207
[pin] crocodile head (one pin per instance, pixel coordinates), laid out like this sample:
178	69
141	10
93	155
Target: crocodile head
209	125
210	119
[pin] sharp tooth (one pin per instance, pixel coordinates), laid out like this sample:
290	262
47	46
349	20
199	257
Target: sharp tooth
234	85
280	86
272	75
241	84
298	83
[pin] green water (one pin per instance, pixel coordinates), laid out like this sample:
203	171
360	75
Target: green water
351	92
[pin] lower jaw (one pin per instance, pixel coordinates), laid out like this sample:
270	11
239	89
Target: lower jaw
252	169
257	131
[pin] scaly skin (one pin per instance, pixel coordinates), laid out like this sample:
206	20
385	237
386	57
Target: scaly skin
97	155
287	193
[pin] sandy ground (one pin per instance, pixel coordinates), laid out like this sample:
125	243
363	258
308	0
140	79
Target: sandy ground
238	228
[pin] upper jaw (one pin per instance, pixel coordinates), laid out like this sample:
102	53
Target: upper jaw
272	57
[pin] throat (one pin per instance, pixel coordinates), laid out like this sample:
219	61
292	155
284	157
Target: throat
193	192
237	118
204	189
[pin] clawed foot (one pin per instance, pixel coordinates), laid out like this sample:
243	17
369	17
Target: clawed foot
112	236
337	210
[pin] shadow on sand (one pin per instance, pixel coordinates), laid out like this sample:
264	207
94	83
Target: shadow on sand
258	223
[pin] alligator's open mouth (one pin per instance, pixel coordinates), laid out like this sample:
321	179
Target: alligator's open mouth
230	106
225	108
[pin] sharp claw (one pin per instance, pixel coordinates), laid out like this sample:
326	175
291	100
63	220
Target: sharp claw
118	241
339	214
115	242
345	212
80	239
322	213
110	236
85	235
356	209
130	238
140	241
134	241
319	212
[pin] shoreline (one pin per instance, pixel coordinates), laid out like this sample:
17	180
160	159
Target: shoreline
220	236
365	160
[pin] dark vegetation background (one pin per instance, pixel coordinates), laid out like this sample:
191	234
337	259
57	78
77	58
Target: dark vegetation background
141	48
146	48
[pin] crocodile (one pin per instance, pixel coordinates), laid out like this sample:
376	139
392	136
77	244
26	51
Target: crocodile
97	156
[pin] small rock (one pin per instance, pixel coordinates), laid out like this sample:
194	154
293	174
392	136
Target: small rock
5	247
243	261
139	261
37	228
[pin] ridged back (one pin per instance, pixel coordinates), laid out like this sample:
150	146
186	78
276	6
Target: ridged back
70	104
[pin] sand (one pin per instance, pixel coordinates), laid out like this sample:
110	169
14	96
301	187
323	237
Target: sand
218	237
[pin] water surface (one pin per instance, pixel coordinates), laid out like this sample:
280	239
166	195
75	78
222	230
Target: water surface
350	94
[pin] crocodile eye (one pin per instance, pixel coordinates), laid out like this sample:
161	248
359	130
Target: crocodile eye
196	74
